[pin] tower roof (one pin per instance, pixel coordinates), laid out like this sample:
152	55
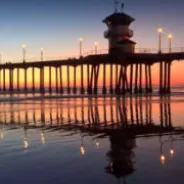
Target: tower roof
119	18
126	41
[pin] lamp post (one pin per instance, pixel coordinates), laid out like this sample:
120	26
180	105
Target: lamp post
80	46
1	54
96	47
41	52
24	52
170	42
160	31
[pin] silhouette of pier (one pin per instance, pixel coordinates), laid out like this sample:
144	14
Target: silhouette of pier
125	74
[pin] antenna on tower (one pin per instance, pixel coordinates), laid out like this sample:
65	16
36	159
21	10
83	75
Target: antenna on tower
116	3
122	6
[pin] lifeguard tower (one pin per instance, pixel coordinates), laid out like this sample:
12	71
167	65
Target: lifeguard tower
119	34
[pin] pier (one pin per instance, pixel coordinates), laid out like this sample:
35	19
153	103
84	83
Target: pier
117	82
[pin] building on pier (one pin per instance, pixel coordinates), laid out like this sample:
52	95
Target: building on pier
119	34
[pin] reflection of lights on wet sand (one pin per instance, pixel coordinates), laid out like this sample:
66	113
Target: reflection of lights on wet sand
26	144
111	167
97	144
162	159
2	135
82	150
172	152
42	138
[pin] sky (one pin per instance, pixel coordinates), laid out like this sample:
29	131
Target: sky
56	26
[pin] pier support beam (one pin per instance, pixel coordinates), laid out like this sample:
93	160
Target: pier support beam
111	79
131	78
165	77
136	79
104	90
117	89
68	79
95	80
123	80
89	74
18	79
61	80
33	79
120	83
82	80
165	72
169	78
74	81
42	88
150	79
140	78
127	89
4	80
161	78
50	79
56	80
25	79
11	80
146	78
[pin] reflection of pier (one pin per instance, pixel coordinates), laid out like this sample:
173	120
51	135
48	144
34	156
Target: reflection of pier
133	115
121	156
121	119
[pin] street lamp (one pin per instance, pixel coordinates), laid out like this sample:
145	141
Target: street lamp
160	31
172	152
80	46
41	54
24	52
170	42
96	47
1	54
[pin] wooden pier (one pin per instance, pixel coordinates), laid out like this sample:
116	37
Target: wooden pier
125	76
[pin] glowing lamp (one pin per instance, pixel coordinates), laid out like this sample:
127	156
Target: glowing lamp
81	39
96	43
24	46
172	151
170	36
160	30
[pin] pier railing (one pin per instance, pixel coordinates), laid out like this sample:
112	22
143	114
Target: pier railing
94	52
138	50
